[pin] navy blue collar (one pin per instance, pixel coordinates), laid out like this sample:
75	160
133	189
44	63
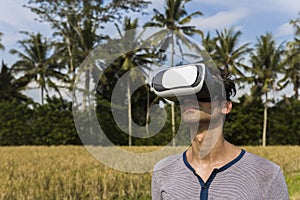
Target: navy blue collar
226	166
205	185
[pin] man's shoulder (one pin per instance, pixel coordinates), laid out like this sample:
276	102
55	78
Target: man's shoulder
169	163
264	173
258	160
263	166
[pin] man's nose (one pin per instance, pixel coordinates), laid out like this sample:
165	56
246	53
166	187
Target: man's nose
189	100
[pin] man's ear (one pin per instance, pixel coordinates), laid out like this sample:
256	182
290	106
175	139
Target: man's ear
227	106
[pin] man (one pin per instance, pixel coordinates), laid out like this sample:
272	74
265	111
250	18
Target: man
211	168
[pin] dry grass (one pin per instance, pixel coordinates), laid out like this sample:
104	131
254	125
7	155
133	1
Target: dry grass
69	172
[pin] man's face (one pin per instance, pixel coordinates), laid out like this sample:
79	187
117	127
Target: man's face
194	111
202	116
204	113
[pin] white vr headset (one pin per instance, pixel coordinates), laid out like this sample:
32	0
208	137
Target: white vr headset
186	80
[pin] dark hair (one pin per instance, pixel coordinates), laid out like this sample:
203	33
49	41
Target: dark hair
229	85
222	73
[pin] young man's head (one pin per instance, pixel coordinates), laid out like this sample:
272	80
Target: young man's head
198	88
203	93
211	108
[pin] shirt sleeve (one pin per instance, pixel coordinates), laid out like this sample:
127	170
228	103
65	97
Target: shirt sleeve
155	191
278	189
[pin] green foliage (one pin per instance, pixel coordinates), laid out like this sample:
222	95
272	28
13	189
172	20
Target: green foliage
284	126
54	124
109	127
78	28
10	87
15	123
227	53
37	63
291	69
244	124
266	63
139	111
49	124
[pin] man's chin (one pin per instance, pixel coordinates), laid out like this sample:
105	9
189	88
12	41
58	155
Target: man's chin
191	121
195	120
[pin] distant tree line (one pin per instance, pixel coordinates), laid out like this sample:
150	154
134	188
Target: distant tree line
51	65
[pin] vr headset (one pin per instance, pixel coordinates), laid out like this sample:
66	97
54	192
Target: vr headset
184	81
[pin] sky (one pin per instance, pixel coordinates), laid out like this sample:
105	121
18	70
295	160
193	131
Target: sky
252	17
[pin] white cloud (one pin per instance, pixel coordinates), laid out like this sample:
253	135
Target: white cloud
284	30
14	15
220	20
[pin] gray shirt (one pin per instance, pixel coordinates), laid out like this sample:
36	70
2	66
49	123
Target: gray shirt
246	177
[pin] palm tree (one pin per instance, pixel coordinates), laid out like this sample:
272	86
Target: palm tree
133	55
78	23
38	63
266	62
292	67
296	24
80	35
291	70
10	87
228	55
174	22
209	44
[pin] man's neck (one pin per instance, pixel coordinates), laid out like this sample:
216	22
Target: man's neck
209	148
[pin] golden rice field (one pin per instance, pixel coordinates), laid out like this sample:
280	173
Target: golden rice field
70	172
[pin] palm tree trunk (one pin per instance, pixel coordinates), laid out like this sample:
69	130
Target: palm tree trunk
72	69
86	92
173	123
129	111
42	95
147	112
296	86
172	103
265	121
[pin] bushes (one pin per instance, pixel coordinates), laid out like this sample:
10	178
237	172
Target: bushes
244	126
48	124
284	123
15	123
52	124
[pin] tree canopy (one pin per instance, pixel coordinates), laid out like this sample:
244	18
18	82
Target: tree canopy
78	28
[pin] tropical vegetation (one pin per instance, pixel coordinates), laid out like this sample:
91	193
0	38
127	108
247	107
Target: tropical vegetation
52	64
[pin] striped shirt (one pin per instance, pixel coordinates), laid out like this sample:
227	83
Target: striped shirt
246	177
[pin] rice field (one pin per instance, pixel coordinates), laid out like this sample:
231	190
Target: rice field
71	172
